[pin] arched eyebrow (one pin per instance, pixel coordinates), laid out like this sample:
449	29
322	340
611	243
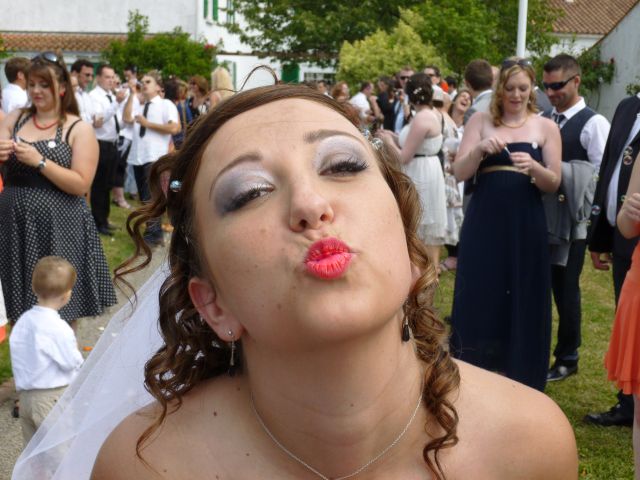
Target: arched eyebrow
309	137
317	135
245	157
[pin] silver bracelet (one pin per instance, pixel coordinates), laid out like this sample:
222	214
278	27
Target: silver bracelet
42	164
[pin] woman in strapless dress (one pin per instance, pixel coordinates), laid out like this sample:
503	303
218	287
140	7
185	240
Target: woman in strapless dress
501	318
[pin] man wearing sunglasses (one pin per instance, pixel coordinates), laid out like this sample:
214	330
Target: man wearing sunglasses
609	249
401	108
584	134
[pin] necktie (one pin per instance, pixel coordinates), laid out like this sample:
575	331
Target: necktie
115	117
559	118
143	130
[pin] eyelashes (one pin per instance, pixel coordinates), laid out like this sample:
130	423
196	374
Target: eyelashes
240	200
342	167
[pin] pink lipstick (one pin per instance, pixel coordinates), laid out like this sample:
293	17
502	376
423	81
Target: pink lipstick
328	258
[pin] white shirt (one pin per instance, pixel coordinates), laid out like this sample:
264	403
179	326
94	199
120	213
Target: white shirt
359	100
85	105
108	110
593	136
612	191
482	94
126	129
44	350
13	97
154	144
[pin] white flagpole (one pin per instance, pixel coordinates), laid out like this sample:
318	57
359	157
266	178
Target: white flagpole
522	28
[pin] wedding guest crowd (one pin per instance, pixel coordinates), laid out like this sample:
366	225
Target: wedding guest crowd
480	150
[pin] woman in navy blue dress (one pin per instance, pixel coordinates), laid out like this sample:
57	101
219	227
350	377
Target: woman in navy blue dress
501	317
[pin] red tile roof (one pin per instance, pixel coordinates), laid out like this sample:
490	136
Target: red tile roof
66	42
595	17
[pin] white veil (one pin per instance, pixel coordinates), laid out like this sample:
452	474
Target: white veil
108	388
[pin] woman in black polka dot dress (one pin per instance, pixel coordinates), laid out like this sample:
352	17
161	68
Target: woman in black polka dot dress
50	158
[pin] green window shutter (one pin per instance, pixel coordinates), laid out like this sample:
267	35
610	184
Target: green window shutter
214	9
206	8
291	73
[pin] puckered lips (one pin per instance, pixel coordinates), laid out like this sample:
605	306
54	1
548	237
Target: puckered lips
328	258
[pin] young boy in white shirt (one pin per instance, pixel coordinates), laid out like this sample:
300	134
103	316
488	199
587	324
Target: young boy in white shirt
44	351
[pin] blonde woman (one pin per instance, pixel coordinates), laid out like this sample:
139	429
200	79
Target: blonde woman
501	318
221	86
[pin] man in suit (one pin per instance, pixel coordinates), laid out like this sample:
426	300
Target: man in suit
478	77
584	135
606	244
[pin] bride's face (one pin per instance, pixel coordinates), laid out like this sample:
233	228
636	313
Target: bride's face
301	235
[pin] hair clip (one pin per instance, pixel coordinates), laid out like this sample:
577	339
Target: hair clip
374	141
417	90
175	185
377	143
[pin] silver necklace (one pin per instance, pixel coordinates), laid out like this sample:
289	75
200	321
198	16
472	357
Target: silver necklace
353	474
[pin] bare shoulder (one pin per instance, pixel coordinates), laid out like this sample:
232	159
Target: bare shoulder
478	119
117	458
8	122
427	116
545	123
196	435
79	129
522	432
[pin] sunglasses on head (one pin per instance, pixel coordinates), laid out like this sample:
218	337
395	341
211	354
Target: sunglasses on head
50	57
523	62
557	85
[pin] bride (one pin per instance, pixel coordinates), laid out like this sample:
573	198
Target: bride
298	338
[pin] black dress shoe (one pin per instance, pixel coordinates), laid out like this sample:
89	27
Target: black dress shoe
560	372
105	231
616	416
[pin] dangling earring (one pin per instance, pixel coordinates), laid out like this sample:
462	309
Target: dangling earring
406	330
232	359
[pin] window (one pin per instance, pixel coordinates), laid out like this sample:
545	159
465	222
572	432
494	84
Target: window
214	9
231	12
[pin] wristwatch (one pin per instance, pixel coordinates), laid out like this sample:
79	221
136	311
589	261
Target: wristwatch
42	164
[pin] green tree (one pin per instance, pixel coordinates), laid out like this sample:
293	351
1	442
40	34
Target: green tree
385	53
540	18
173	53
461	31
3	50
468	29
304	30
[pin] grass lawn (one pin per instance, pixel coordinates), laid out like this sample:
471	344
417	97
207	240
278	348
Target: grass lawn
605	453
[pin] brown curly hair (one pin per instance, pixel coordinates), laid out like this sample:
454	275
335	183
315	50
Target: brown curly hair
192	352
519	65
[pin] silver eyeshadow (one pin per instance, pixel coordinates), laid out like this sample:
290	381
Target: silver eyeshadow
257	174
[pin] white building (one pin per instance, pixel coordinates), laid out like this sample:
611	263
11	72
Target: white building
82	28
622	44
584	22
